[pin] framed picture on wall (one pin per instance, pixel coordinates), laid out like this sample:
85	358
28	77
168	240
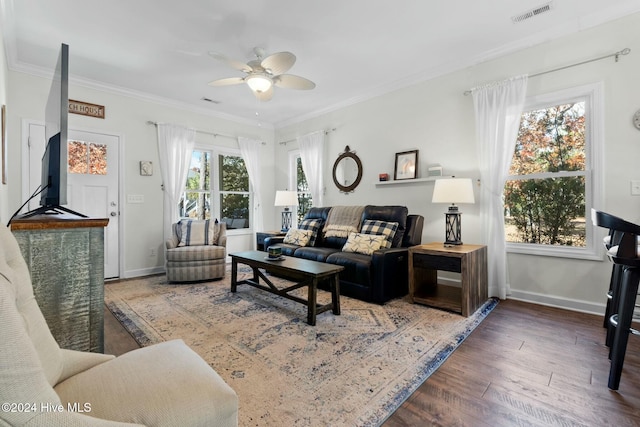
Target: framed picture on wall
406	165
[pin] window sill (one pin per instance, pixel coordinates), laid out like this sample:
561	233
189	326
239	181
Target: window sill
239	231
591	254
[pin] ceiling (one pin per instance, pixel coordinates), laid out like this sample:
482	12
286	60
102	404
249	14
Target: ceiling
352	50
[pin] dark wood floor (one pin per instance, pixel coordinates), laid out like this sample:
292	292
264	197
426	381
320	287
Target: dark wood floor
525	365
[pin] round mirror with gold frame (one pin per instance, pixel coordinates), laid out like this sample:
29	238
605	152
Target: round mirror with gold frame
347	171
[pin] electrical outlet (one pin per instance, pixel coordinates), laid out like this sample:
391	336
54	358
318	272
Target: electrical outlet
152	252
635	188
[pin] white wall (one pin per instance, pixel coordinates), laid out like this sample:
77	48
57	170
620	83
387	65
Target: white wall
4	193
437	119
127	116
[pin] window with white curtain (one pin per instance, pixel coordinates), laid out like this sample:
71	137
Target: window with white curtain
218	187
555	175
298	181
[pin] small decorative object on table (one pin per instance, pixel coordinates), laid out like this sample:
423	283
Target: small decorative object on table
275	252
434	170
384	177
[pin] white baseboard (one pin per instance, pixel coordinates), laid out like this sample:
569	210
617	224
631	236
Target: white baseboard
559	302
143	272
543	299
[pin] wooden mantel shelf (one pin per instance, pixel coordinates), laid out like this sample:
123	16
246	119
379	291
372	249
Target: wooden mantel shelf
60	221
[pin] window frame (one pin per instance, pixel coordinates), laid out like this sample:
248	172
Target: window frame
294	155
592	95
214	191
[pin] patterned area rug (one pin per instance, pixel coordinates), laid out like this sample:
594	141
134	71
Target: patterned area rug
355	369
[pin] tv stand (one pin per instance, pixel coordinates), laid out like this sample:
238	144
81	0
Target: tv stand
51	210
65	257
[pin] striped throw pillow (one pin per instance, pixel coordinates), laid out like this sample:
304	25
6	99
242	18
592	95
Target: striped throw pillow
194	232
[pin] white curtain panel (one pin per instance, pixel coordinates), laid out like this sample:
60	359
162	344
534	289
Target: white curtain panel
250	151
175	146
312	157
498	108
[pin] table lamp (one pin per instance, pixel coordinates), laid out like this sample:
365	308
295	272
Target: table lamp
453	190
286	198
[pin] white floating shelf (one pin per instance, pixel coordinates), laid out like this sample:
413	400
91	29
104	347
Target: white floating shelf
410	181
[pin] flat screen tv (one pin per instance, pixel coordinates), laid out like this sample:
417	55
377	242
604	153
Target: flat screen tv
54	161
53	185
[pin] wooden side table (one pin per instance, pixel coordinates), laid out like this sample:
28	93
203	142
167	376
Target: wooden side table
468	260
262	235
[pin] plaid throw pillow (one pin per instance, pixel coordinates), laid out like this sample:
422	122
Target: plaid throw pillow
313	225
384	228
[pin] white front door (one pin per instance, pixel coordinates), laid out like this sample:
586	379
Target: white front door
92	182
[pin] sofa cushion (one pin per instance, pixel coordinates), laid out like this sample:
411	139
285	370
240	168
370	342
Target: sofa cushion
22	377
14	269
384	228
314	225
192	232
296	236
391	214
314	254
166	384
364	244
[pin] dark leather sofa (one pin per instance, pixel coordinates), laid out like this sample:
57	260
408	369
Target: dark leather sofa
374	278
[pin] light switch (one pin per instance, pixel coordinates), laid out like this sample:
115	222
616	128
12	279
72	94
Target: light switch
135	198
635	188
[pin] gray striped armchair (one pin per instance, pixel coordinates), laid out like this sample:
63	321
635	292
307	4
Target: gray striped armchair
196	251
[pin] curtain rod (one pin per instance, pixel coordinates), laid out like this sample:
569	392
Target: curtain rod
215	135
624	51
326	132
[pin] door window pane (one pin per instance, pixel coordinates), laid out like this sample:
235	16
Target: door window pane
87	158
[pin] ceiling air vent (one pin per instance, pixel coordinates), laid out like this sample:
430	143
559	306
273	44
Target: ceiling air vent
204	98
531	13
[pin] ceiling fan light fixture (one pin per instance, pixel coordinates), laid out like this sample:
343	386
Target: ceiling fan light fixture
259	82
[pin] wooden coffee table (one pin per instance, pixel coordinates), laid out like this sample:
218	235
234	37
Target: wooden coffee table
302	271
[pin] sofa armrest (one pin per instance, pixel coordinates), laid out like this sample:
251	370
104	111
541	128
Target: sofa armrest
273	240
172	243
75	362
390	274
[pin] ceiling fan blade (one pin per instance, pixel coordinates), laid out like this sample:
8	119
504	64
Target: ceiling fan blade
241	66
227	82
278	63
264	96
289	81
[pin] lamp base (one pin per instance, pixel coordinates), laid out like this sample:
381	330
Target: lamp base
286	220
453	230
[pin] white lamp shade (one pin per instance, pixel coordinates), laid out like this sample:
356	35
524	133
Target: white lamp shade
453	190
286	198
259	83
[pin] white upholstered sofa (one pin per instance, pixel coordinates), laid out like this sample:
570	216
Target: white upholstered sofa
166	384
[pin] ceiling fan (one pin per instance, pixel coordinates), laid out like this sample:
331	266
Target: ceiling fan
262	74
